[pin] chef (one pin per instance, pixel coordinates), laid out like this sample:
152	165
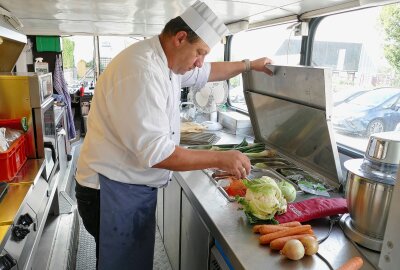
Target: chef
132	142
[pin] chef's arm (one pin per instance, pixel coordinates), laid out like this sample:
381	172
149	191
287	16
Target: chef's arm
183	159
221	71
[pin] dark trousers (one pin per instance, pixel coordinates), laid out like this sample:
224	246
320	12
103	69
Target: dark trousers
88	200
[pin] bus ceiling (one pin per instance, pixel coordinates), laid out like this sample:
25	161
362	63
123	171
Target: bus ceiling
147	18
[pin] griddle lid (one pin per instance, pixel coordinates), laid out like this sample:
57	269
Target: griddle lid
291	111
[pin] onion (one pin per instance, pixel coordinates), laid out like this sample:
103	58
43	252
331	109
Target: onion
310	245
293	249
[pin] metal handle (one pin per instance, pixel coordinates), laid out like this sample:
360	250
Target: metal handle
377	148
50	146
19	232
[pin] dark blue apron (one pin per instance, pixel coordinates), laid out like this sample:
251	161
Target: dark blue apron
127	225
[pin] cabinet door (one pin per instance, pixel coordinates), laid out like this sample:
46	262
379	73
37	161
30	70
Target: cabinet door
195	238
172	225
160	211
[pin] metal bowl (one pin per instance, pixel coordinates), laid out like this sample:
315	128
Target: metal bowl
368	200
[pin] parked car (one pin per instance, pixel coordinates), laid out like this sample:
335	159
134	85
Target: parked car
369	112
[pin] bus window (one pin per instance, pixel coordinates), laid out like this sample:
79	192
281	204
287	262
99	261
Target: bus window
216	54
360	48
110	46
78	61
275	42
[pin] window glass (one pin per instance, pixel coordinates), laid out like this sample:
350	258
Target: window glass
110	46
78	61
216	54
275	42
362	49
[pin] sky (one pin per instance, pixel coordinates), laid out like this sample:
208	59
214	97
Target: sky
109	46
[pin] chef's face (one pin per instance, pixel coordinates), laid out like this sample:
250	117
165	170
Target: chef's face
189	55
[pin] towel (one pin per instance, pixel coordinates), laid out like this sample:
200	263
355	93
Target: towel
61	87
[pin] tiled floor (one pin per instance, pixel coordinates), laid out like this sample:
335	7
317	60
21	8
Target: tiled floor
86	258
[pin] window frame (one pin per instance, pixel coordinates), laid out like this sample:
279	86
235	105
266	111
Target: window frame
306	52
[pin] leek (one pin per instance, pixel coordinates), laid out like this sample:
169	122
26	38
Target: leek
265	153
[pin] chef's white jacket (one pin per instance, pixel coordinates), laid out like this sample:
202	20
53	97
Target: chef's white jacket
134	119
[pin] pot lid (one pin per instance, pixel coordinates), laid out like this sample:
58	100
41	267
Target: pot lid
384	147
377	172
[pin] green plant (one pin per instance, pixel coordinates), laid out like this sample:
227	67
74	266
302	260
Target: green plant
68	52
389	18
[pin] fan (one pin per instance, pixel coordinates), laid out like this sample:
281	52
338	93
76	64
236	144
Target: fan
207	99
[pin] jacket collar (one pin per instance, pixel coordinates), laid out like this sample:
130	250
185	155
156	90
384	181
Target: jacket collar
160	52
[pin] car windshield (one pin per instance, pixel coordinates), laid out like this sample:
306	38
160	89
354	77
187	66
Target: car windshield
342	96
373	98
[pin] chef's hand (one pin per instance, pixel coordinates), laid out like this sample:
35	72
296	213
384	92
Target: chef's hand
235	163
260	65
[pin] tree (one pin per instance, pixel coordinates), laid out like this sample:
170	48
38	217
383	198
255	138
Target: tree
390	19
90	64
68	53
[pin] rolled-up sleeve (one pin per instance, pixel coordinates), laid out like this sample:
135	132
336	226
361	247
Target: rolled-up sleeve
197	77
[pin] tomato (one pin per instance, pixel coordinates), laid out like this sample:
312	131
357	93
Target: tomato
236	188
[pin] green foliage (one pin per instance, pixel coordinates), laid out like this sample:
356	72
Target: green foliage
235	81
90	64
68	52
390	18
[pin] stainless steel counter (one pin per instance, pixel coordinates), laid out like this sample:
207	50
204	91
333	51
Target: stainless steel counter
18	191
230	228
29	195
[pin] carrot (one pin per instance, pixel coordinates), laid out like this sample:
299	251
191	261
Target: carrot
256	228
267	238
265	229
278	243
310	231
290	224
354	263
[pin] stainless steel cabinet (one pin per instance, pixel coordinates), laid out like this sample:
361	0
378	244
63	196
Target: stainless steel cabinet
172	218
195	238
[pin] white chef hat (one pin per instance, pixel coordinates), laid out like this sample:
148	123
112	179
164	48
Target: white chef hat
202	20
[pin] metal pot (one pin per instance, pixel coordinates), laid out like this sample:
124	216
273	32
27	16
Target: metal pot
368	201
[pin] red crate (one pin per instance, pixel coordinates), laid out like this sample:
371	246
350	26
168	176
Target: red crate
12	160
11	123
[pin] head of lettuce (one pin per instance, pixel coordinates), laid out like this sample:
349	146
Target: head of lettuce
263	200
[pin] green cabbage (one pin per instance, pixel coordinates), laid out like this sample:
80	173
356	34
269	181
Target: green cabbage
288	191
263	198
